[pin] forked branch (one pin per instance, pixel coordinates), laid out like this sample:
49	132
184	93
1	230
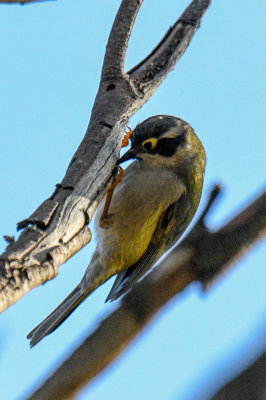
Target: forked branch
58	228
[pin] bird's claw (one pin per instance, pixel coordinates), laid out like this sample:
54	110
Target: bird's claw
117	179
126	137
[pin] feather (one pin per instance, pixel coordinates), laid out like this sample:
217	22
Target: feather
167	232
57	317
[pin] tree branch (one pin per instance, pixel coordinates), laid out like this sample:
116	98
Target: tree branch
114	59
149	73
250	384
58	228
22	2
185	264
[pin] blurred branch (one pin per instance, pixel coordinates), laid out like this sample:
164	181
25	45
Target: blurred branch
58	228
22	2
250	384
202	257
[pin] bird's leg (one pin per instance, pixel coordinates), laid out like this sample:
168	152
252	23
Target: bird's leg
117	179
126	137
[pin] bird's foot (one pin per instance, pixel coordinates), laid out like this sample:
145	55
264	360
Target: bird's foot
117	179
106	222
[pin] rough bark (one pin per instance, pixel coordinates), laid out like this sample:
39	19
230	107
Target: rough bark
202	257
58	228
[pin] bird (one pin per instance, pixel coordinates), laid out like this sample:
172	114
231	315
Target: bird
150	209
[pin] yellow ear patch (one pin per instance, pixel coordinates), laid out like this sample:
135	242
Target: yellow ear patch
149	144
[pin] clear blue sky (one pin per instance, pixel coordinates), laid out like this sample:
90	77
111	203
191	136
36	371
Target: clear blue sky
51	56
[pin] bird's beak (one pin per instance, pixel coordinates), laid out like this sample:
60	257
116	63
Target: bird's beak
129	155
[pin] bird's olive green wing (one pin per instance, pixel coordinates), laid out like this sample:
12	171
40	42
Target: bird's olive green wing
171	225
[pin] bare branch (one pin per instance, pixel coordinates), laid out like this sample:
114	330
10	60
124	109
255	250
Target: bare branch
149	73
58	228
138	307
113	65
217	251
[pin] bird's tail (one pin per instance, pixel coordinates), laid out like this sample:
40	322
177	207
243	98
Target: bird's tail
50	323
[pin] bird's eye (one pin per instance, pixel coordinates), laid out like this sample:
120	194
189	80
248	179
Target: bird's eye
167	146
149	144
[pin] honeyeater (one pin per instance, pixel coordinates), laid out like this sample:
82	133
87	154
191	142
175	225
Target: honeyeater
150	209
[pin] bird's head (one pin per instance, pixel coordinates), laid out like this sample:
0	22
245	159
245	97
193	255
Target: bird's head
165	141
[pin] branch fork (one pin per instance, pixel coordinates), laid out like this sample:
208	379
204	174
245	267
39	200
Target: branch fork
58	228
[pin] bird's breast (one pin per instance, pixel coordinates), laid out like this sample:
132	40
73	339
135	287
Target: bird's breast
136	207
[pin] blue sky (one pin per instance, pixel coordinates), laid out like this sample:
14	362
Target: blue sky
51	56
